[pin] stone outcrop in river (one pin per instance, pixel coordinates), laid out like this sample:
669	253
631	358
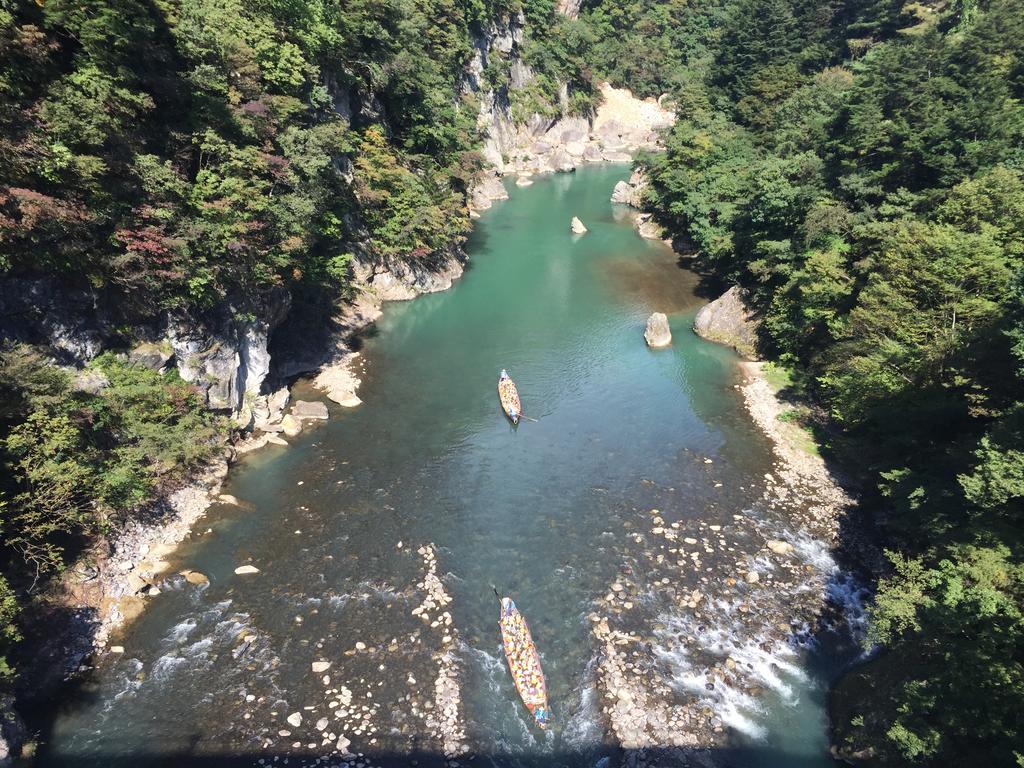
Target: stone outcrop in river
728	320
631	192
657	333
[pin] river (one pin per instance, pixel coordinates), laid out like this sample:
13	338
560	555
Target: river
626	452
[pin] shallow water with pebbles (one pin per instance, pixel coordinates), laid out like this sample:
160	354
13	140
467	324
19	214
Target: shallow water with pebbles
673	576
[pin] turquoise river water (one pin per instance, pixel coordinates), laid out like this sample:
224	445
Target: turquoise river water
343	523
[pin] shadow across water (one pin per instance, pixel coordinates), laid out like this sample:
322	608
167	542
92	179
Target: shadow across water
651	756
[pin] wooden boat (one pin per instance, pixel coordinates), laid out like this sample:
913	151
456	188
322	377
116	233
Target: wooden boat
523	661
509	397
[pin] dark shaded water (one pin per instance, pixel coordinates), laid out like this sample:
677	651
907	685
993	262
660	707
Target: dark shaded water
549	512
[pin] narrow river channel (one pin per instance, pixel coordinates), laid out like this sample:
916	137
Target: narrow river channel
347	524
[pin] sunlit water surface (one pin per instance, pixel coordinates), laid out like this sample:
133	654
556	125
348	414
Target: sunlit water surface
545	512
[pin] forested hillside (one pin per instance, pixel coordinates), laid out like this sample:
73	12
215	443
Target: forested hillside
197	156
858	168
856	165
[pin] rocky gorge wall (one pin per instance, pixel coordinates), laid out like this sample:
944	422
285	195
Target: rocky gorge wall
622	124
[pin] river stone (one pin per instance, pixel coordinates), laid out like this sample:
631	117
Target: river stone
577	226
291	426
779	547
242	570
227	498
622	193
753	577
658	333
320	666
295	719
728	320
309	409
195	577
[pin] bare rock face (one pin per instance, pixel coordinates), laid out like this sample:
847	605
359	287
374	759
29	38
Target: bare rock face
268	409
577	226
485	191
153	356
569	8
630	192
309	409
728	320
226	357
658	333
648	228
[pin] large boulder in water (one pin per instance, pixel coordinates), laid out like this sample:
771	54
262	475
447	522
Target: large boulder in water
658	333
728	320
577	226
630	192
309	409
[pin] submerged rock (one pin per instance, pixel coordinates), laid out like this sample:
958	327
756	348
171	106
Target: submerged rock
295	719
658	333
728	320
577	226
245	569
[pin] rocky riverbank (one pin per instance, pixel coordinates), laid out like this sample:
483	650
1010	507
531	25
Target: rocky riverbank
110	584
708	618
622	125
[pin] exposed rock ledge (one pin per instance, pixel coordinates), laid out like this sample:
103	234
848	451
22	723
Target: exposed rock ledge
110	586
631	192
623	124
728	320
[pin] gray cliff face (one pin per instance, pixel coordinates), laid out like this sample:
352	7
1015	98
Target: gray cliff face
70	320
570	8
226	355
223	352
728	320
539	144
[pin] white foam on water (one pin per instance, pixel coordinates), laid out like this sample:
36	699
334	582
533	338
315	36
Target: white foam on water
129	680
166	666
180	631
583	726
504	719
686	644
